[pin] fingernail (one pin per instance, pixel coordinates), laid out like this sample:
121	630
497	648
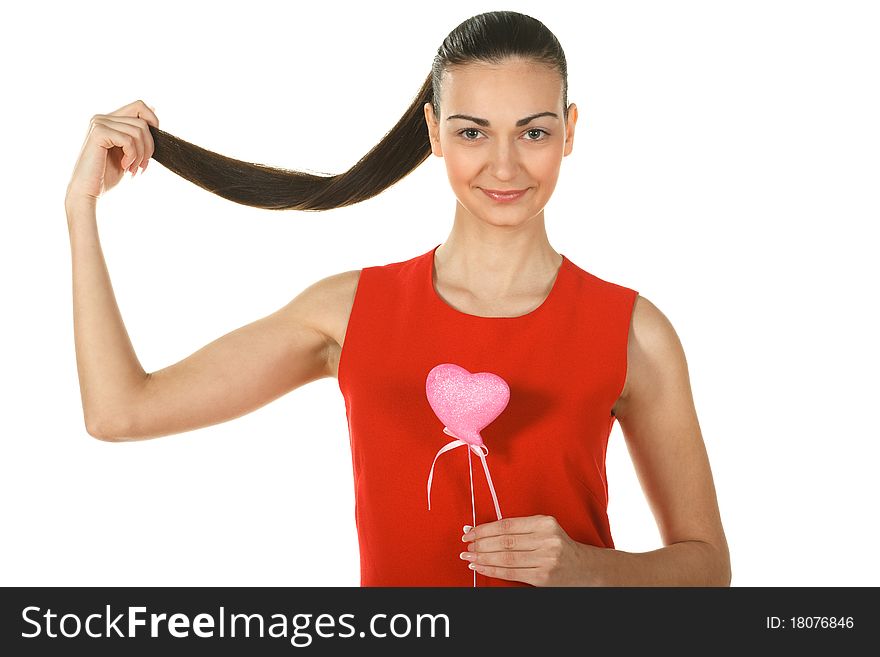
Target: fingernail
466	529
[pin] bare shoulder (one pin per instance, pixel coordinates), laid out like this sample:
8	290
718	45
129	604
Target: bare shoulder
327	303
652	329
654	351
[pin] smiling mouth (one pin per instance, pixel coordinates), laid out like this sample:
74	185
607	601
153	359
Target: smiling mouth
504	195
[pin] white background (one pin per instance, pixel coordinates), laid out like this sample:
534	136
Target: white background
725	165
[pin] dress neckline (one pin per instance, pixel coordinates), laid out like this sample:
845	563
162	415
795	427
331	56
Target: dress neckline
548	300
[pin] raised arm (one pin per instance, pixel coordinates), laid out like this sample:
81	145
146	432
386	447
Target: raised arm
231	376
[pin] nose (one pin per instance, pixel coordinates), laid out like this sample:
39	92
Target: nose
503	161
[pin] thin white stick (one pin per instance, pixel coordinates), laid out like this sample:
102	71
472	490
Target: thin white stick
473	506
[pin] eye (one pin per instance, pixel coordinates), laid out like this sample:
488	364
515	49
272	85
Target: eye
462	132
537	130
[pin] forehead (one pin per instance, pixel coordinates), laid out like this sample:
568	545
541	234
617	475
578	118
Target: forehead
511	86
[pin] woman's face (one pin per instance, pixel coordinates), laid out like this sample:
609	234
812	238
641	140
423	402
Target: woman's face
497	147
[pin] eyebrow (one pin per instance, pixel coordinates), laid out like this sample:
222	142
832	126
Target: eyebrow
485	122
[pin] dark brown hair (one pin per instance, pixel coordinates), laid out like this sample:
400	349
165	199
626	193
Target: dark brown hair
490	38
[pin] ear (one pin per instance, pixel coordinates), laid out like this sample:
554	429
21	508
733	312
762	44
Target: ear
433	130
569	128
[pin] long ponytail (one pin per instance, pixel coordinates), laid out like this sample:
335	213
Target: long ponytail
399	152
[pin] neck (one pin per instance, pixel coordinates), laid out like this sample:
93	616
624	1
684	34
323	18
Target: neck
495	261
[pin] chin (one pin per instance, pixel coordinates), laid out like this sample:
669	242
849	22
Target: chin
505	218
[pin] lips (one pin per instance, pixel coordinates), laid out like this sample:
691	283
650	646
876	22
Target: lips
504	194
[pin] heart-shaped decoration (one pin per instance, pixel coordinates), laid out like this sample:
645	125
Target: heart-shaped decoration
466	403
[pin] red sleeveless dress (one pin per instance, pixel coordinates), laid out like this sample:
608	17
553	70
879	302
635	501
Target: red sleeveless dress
565	365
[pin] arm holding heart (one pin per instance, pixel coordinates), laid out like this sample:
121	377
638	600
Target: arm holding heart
659	422
537	551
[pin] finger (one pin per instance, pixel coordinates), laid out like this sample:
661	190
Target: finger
507	543
108	139
527	575
148	145
520	525
138	109
113	133
509	559
145	137
149	115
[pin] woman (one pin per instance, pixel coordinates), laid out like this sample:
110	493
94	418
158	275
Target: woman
577	352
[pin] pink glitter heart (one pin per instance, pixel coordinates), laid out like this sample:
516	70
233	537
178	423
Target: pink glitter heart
466	403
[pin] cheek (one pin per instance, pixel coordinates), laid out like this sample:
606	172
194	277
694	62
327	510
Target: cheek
545	164
462	165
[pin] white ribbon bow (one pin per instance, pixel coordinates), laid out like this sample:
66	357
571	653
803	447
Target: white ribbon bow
458	442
